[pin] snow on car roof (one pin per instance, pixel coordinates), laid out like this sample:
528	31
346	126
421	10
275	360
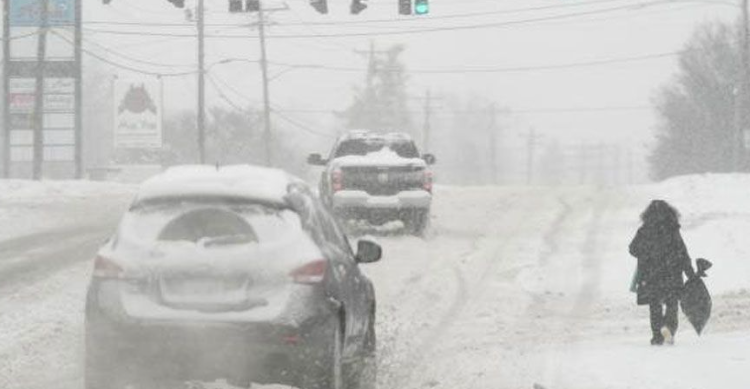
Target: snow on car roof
236	181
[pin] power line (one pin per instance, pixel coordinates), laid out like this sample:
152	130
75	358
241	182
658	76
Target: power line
122	66
222	95
601	62
401	32
301	126
508	111
372	21
133	59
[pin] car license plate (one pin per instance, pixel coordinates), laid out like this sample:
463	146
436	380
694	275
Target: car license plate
383	178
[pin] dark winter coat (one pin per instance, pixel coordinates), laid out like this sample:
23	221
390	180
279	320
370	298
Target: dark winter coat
662	258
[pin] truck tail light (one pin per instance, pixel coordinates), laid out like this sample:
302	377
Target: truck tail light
311	273
427	183
337	180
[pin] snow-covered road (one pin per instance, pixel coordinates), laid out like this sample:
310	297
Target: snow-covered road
513	287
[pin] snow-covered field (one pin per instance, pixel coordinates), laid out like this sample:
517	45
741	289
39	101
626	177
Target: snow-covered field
513	287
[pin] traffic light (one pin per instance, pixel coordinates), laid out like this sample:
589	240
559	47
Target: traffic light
252	6
357	6
404	7
320	5
235	6
176	3
422	7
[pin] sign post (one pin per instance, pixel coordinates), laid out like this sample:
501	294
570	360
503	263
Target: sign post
42	122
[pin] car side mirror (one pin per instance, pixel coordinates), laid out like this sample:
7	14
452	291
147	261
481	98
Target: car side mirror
429	159
316	160
368	251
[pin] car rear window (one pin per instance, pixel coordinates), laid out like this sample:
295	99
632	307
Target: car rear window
208	223
404	148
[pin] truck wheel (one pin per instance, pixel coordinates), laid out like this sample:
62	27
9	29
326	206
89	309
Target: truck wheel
417	223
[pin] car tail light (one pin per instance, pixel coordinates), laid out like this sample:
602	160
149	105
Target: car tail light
337	180
427	183
106	268
310	273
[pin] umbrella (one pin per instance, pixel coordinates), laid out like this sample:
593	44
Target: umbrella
695	299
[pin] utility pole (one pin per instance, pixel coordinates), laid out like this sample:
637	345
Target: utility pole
6	89
201	124
583	163
530	153
41	49
493	144
78	39
266	98
741	98
426	127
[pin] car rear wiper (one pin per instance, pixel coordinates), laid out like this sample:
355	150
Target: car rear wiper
226	240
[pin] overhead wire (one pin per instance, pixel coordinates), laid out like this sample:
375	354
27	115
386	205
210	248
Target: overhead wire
376	21
299	125
404	32
600	62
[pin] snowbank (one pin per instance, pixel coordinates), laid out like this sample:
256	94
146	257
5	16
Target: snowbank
32	207
53	191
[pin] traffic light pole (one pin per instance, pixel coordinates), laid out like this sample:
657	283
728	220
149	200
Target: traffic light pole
201	117
267	140
41	49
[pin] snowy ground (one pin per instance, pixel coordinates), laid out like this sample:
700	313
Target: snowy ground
514	287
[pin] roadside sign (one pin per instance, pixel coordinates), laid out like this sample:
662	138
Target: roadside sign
59	86
138	114
55	102
21	102
22	85
27	13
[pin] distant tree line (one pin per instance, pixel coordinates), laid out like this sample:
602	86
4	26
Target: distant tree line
699	119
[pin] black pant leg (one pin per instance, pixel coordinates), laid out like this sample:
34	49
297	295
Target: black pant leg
670	317
657	318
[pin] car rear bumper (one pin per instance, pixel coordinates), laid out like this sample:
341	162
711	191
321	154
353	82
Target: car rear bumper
260	352
357	199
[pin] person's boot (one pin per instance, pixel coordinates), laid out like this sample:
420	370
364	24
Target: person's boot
657	339
668	336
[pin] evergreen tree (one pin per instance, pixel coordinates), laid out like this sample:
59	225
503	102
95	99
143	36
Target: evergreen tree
696	130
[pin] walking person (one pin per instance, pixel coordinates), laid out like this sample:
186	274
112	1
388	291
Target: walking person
662	259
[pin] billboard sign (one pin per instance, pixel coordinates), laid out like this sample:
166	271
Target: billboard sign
27	13
138	114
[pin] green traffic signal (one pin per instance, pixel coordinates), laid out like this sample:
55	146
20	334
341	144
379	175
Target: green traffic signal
421	7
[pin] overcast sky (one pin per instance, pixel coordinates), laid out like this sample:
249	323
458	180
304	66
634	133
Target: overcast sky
495	34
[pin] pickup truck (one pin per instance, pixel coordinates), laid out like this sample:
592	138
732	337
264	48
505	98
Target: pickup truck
378	178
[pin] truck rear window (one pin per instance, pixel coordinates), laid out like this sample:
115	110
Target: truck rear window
404	149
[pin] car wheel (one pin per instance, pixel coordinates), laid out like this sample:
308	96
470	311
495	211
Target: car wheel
364	373
98	372
331	374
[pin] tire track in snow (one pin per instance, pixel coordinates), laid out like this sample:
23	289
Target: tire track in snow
24	261
415	357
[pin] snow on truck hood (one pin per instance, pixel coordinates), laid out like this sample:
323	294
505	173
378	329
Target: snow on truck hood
238	181
384	157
